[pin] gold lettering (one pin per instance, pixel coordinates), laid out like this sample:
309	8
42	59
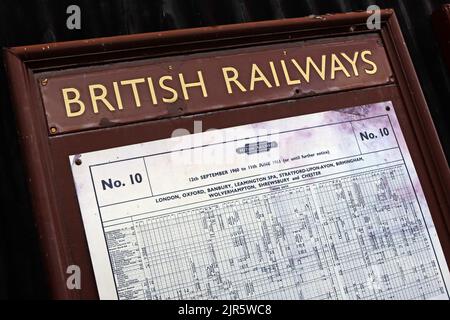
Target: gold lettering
286	75
274	74
374	66
169	89
336	65
133	83
152	90
185	85
233	78
352	61
101	97
76	99
256	76
310	62
118	97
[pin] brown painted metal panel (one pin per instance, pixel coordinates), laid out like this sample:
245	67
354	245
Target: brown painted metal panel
50	180
216	69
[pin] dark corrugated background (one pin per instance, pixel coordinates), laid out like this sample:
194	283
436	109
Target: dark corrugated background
32	22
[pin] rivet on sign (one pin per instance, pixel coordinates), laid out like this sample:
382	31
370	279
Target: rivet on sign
53	130
170	67
44	82
78	161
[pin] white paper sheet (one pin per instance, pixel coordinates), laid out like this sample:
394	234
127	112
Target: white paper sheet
320	206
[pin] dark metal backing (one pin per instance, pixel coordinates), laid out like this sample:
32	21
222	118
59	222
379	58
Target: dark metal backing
28	22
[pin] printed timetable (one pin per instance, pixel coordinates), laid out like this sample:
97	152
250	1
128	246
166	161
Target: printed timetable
319	206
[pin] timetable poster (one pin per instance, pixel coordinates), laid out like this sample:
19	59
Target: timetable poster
319	206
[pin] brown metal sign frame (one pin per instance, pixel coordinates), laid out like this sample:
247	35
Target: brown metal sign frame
46	154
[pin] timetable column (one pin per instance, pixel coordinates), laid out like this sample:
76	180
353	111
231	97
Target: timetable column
126	261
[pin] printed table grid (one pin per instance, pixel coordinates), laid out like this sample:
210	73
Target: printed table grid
354	237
